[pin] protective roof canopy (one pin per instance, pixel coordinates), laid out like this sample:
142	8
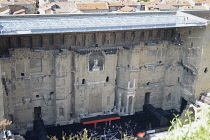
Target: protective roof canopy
39	24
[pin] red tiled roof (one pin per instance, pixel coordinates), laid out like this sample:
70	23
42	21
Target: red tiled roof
17	2
115	4
92	6
126	9
19	11
179	3
130	3
200	7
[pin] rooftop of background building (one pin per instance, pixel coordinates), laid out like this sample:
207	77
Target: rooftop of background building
92	6
200	13
17	2
60	23
200	1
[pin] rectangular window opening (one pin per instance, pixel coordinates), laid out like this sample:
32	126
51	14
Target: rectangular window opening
83	81
61	112
107	79
147	98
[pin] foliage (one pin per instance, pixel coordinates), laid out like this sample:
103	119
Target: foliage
80	136
84	136
4	123
189	128
126	137
143	0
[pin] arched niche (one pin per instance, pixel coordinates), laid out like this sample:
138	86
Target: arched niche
96	61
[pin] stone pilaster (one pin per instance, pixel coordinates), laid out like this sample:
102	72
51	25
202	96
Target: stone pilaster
1	98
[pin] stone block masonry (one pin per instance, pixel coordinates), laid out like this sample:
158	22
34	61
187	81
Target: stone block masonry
63	77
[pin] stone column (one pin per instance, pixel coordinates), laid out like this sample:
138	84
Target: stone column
129	85
132	105
119	102
127	100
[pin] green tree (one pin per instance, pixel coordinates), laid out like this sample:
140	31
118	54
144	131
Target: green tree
190	128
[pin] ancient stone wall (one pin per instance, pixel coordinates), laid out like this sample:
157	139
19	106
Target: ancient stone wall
191	59
202	84
1	99
65	77
155	70
85	40
30	84
94	87
63	85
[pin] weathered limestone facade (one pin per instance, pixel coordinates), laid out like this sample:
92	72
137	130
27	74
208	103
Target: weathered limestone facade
1	100
65	77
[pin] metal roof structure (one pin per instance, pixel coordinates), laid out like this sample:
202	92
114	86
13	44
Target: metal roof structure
40	24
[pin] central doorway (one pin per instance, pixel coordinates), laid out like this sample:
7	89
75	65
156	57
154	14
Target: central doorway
37	113
183	104
147	98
